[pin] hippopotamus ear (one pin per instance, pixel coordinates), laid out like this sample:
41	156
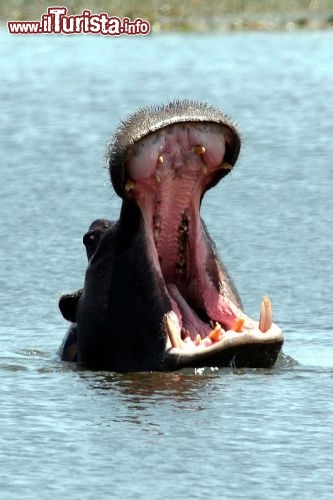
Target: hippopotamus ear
68	304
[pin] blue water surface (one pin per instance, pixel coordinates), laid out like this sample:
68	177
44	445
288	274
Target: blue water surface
230	434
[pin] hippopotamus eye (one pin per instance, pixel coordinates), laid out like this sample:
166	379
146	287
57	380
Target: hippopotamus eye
89	239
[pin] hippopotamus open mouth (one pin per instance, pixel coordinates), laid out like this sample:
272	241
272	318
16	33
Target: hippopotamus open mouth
156	296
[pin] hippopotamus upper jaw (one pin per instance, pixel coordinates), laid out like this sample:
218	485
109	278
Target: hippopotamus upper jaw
149	124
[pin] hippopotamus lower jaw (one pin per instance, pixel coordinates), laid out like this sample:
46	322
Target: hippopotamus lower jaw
234	350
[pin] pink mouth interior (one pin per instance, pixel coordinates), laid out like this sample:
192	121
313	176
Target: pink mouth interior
168	171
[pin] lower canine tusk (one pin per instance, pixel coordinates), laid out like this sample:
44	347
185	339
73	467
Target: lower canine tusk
216	334
266	314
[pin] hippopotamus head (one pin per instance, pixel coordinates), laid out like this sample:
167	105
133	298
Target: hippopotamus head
156	295
68	302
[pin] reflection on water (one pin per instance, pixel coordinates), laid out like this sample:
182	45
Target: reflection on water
186	386
180	386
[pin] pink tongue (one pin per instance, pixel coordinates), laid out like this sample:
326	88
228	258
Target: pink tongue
190	319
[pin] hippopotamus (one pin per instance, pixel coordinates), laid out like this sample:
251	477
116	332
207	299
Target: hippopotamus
156	295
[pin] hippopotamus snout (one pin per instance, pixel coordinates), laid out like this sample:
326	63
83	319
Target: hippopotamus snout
156	295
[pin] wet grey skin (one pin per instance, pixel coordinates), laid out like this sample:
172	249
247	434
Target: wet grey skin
154	277
68	302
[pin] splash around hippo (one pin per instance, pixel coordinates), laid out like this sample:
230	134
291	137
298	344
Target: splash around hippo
156	296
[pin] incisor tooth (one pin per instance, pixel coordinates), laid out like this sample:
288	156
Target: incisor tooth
200	150
129	185
173	335
197	339
266	314
216	334
238	325
160	159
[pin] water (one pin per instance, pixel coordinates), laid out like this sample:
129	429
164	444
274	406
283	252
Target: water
253	434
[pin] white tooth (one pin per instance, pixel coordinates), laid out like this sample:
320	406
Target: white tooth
157	220
200	150
173	334
269	312
129	185
262	319
204	169
226	166
266	314
160	159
